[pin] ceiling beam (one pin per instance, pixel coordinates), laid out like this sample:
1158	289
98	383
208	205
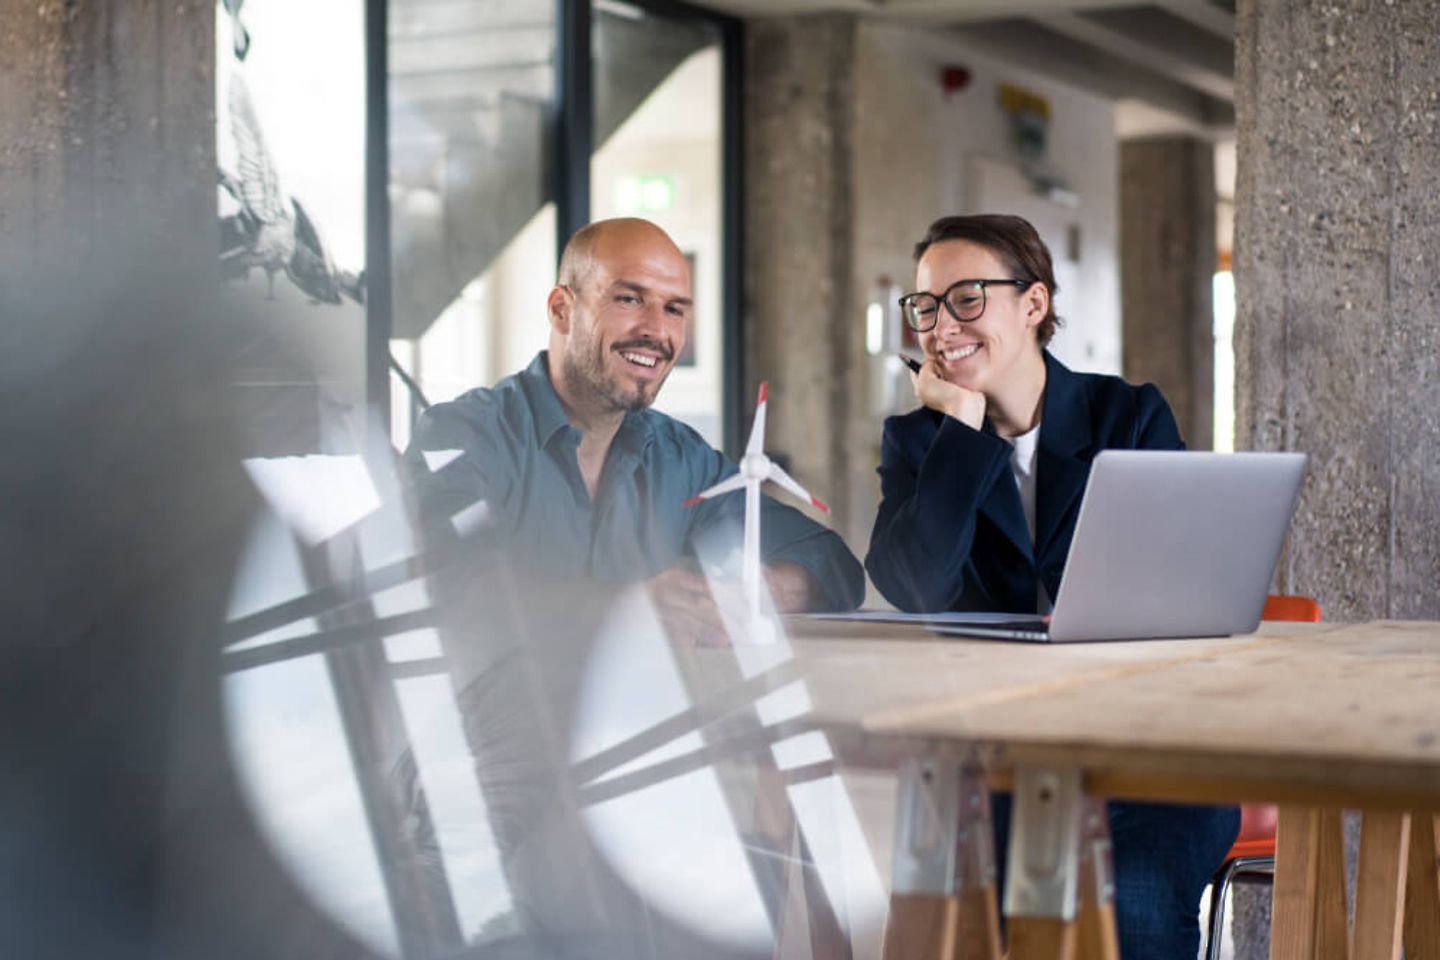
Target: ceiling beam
1067	61
1167	62
1203	14
960	11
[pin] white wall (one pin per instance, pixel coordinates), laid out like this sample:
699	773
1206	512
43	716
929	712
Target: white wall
922	153
976	169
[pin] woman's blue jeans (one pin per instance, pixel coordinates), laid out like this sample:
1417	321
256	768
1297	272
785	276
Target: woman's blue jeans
1165	854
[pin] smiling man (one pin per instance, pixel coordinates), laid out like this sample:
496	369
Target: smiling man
566	469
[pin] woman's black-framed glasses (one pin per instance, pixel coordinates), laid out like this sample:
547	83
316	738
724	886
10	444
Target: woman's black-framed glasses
965	299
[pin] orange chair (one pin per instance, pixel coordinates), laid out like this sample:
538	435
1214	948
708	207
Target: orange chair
1252	858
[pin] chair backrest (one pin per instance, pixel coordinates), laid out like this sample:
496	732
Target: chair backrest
1283	607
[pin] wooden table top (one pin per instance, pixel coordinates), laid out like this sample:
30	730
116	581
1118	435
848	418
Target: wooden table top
1323	713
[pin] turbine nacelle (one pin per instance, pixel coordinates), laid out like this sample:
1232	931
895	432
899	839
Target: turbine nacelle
755	465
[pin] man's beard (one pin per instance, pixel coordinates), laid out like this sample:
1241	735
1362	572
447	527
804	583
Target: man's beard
586	372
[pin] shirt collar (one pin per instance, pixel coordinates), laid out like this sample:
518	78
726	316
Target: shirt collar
636	431
549	414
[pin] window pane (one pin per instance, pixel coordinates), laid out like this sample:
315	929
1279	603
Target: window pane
471	95
658	110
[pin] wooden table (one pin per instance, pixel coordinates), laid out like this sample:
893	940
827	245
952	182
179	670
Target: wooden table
1317	718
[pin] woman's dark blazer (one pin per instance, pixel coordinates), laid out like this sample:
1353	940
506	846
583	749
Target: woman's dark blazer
951	533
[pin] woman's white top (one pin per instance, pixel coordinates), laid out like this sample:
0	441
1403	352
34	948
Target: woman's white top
1022	462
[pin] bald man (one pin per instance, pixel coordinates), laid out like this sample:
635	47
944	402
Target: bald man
566	468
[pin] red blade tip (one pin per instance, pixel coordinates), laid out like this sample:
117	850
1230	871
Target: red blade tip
817	503
693	500
764	390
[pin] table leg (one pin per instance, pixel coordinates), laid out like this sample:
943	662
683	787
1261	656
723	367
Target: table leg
1044	872
1040	937
1332	922
978	933
1422	892
1096	935
942	902
1308	898
921	925
1380	885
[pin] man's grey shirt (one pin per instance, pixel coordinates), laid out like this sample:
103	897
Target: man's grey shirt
499	465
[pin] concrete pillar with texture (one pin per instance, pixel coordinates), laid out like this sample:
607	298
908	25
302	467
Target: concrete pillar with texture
800	309
1337	333
1167	266
107	134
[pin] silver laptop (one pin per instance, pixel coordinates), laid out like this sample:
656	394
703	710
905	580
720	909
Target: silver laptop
1167	544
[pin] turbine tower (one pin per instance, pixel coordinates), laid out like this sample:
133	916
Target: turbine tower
755	469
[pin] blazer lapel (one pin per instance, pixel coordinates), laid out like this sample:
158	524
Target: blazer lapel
1063	459
1001	507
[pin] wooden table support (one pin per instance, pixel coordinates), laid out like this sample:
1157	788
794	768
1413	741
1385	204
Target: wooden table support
1043	878
942	901
1380	885
1306	841
1332	930
1422	892
1096	934
1397	887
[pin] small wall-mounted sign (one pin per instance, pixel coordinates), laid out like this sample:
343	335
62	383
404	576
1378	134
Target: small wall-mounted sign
644	193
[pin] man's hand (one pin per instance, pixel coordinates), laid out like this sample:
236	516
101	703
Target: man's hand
791	587
937	393
691	613
687	609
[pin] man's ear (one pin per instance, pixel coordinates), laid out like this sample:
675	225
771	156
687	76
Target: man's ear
559	304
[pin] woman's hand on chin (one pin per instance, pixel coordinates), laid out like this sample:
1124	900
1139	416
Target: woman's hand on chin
937	393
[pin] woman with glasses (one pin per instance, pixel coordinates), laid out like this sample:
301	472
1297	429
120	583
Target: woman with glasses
980	487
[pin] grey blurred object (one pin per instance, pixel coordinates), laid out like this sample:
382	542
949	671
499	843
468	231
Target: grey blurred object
272	230
126	833
237	29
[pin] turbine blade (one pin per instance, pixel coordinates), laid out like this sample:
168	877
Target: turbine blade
788	482
756	443
735	482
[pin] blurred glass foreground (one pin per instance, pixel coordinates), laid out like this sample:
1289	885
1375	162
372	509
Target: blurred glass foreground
246	713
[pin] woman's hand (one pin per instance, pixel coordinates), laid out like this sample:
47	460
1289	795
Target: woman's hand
937	393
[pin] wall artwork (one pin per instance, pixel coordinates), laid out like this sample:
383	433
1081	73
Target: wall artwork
290	142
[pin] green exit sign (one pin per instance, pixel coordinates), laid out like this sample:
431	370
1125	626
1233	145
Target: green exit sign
644	193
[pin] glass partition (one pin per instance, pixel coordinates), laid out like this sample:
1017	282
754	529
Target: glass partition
659	106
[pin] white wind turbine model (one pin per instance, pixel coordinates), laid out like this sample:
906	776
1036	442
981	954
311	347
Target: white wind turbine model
755	469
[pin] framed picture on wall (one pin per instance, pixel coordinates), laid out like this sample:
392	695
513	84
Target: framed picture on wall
290	136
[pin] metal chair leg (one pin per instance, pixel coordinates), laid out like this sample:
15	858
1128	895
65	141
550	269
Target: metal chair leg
1220	884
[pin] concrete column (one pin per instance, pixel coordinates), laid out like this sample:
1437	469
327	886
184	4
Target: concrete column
801	317
1167	265
1337	334
107	133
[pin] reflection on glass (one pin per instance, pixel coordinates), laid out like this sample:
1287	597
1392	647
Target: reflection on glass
483	761
290	143
462	830
290	749
674	841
